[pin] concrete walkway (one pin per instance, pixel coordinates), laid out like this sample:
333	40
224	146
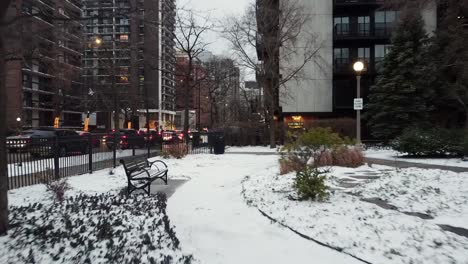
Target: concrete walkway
169	189
406	164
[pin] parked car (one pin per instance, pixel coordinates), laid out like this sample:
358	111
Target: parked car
95	141
170	136
152	138
126	138
40	142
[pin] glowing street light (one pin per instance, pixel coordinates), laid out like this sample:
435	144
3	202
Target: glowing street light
358	68
98	41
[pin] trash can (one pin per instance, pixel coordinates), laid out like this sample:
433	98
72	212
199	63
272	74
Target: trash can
196	139
218	143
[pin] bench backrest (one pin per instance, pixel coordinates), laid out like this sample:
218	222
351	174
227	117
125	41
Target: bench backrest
131	166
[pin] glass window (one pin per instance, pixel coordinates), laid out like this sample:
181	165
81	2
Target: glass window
364	25
364	55
380	52
341	25
341	57
384	22
380	17
123	37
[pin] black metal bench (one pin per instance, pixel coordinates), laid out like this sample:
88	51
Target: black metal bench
141	173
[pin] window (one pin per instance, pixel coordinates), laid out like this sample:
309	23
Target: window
364	55
380	52
341	25
341	57
363	25
123	37
384	22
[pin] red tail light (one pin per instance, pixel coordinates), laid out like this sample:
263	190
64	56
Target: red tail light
159	133
151	137
124	137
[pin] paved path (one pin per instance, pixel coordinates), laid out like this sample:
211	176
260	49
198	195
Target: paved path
214	222
169	189
406	164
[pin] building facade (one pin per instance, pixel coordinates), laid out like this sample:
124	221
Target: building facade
344	31
44	49
129	62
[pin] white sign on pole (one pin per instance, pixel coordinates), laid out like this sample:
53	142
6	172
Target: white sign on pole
358	104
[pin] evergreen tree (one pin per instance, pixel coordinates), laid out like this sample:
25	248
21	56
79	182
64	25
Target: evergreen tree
447	65
399	99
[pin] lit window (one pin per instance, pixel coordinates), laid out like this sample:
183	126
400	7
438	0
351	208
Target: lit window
124	37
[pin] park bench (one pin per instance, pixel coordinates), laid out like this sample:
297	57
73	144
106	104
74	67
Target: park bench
141	173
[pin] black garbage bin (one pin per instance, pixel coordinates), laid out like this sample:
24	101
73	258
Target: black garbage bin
218	143
196	139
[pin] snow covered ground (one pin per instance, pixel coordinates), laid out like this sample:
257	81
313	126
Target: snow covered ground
366	230
217	219
394	155
215	224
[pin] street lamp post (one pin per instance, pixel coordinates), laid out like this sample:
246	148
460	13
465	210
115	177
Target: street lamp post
358	68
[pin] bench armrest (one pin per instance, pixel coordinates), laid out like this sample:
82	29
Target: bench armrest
151	163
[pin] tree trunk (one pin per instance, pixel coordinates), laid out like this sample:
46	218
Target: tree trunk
3	126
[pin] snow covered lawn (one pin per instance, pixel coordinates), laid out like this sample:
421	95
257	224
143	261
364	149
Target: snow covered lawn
216	214
394	155
95	224
366	230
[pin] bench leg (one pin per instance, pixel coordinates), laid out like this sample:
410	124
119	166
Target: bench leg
165	175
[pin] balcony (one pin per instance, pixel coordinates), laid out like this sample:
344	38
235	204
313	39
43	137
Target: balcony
362	31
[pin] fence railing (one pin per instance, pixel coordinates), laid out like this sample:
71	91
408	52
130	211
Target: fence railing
39	160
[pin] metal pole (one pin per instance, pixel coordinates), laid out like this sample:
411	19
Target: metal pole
358	113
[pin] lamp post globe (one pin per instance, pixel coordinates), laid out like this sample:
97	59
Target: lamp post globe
98	41
18	119
358	66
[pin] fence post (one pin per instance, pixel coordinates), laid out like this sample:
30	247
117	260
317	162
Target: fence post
90	152
148	143
56	158
133	148
114	150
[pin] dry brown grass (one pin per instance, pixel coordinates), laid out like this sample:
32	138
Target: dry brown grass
177	151
290	164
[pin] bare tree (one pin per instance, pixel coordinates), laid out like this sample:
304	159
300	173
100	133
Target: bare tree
190	30
277	46
222	84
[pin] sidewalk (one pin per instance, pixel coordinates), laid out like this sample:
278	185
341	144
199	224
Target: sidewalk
406	164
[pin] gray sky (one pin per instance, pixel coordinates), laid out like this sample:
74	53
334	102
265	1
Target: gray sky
218	9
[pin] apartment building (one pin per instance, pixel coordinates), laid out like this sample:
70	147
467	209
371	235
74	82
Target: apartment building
344	31
44	48
129	62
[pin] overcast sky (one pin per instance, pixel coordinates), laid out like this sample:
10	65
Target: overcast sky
217	9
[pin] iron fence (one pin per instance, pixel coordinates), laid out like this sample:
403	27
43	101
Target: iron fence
39	160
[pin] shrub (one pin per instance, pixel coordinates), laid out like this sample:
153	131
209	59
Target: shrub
342	156
345	156
177	151
312	144
320	147
430	142
57	188
290	164
310	184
